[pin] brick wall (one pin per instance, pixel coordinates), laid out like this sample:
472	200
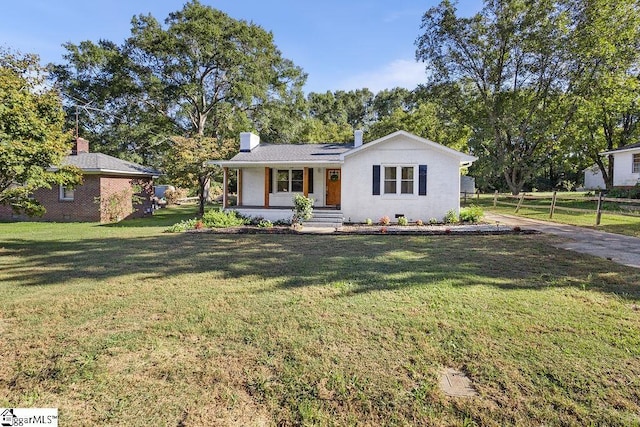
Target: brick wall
84	207
116	198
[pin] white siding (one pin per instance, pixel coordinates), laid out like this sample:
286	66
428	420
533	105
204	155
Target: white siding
253	188
622	169
443	182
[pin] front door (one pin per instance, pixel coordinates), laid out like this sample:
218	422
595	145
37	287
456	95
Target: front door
333	187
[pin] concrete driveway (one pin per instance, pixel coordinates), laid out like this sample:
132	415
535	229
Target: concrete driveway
615	247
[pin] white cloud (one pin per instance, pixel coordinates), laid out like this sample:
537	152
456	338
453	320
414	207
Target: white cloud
398	73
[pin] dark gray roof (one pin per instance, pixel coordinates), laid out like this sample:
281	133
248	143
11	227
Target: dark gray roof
293	153
627	147
103	163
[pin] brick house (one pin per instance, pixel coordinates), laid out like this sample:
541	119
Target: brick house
112	189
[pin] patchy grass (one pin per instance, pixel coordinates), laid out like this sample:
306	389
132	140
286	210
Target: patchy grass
128	325
627	225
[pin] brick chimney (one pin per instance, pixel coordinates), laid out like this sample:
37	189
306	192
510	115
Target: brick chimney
81	146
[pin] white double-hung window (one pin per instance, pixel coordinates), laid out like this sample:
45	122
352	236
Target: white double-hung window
399	180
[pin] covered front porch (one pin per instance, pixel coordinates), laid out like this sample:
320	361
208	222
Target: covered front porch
273	187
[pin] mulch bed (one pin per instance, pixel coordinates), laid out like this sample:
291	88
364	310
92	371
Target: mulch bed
355	229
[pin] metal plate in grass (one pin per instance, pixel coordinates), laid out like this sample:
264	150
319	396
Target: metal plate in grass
457	384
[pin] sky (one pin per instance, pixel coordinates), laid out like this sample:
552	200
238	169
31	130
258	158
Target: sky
340	44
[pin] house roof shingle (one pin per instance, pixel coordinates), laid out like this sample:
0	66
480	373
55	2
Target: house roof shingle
103	163
294	153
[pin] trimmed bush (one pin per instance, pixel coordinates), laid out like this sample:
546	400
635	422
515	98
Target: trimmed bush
403	220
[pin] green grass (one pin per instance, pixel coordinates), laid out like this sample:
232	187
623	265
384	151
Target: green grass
613	223
126	325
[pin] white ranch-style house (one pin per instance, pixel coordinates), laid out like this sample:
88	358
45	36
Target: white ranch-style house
400	174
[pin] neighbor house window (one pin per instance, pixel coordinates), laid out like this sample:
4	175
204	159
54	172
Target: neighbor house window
292	180
393	185
66	193
636	163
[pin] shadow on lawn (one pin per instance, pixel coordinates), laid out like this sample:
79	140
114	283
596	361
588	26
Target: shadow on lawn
368	263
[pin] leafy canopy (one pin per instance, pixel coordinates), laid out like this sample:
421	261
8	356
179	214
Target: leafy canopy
32	139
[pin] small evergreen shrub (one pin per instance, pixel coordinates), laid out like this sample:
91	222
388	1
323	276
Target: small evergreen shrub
433	221
368	221
451	217
403	220
471	214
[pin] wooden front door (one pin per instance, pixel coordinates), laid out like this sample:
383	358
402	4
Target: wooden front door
333	179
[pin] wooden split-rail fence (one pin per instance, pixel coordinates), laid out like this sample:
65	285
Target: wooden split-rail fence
633	205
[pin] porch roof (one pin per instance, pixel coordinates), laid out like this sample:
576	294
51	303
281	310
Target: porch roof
280	154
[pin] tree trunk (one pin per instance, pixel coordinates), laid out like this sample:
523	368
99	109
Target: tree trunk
515	180
202	196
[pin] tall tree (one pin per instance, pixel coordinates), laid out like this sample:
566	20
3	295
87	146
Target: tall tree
509	65
202	74
604	104
32	138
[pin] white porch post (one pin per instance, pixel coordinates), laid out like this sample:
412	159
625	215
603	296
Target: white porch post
225	184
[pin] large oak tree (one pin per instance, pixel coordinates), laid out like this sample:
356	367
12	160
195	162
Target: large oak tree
200	75
508	63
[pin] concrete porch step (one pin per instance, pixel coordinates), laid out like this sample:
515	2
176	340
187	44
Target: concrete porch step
325	219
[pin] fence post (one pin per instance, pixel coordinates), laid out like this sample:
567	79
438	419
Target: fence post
553	205
599	209
520	202
495	198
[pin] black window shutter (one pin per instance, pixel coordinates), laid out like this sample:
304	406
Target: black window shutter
310	187
376	180
270	180
422	180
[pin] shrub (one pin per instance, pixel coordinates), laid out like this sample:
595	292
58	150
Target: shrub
187	224
433	221
403	220
383	230
368	221
265	223
302	208
471	214
451	217
419	222
172	196
217	218
385	220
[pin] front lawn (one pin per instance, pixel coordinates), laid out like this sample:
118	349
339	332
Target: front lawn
127	325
